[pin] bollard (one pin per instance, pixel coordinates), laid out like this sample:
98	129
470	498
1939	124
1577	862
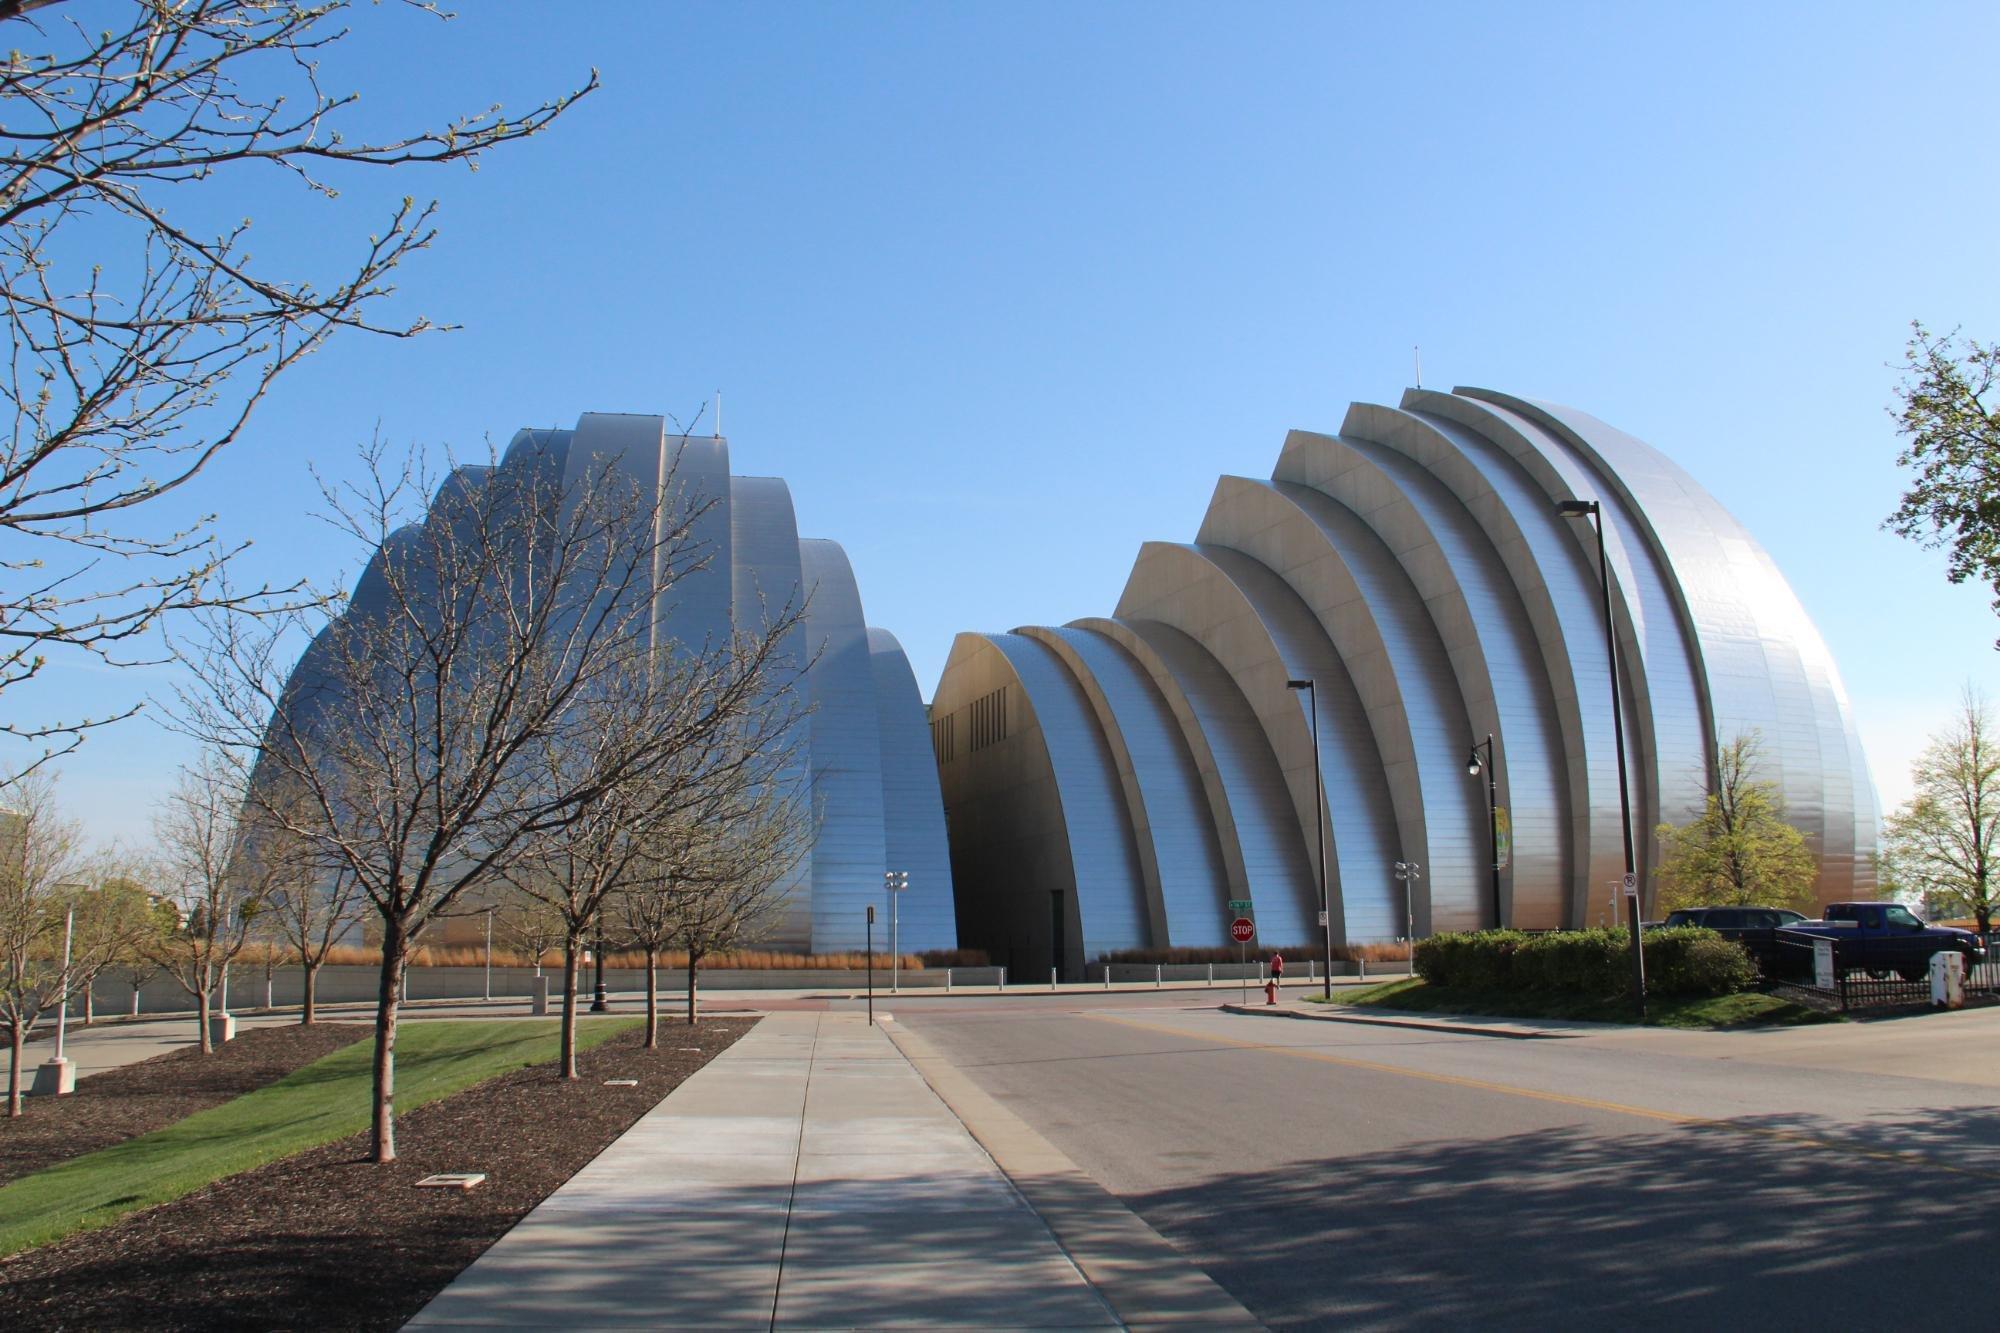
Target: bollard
947	981
1361	969
1107	976
1211	973
1156	976
1003	978
1052	978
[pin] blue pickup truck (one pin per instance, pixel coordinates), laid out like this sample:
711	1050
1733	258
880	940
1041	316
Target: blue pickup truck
1883	939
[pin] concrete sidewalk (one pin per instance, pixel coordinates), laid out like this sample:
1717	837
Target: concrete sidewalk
806	1178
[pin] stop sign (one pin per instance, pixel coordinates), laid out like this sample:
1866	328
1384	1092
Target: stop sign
1242	929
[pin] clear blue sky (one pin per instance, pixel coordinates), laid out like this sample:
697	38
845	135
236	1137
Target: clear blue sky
1000	289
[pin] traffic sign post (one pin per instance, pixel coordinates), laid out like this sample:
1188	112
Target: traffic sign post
1241	930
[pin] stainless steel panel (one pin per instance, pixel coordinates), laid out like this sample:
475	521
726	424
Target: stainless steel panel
912	805
1179	856
849	854
765	577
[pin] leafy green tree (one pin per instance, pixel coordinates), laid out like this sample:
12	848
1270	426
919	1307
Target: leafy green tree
1945	842
1949	414
1739	851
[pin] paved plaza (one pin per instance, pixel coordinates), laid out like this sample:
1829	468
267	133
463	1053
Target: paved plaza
806	1178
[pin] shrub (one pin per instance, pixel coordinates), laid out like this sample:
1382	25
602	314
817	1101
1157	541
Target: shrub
1596	963
1575	962
1688	960
1481	960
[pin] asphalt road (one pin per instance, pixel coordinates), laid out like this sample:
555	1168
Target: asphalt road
1331	1174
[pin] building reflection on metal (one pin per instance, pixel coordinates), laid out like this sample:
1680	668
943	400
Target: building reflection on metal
873	788
1114	783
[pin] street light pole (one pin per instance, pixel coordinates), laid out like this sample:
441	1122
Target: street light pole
598	1001
489	953
1473	766
894	882
1592	510
1319	825
1408	873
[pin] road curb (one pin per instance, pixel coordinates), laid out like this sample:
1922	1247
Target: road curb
1415	1024
1145	1280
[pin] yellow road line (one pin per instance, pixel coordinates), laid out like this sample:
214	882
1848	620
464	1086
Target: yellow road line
1793	1137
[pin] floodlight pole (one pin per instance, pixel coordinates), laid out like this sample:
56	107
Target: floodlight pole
1319	824
1474	765
1594	511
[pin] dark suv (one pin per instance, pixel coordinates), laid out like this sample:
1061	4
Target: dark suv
1755	928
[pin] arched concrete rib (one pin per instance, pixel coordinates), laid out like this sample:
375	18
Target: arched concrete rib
1762	662
1104	906
766	578
1251	804
1361	601
912	806
848	855
1510	485
1485	631
1262	634
1670	691
1010	849
1180	863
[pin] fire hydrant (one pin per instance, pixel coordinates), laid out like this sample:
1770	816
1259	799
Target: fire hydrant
1271	991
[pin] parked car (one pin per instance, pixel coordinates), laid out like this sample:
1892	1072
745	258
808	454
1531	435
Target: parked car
1884	939
1755	928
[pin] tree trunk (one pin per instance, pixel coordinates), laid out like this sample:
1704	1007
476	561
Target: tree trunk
693	958
89	998
20	1038
201	1017
310	1001
388	1003
570	967
135	1002
652	997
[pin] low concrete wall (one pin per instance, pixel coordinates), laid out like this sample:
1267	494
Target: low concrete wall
353	984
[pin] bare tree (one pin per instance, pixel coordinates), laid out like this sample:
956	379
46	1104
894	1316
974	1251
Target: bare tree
478	641
142	337
1945	842
528	926
41	862
116	918
206	868
310	906
574	870
724	892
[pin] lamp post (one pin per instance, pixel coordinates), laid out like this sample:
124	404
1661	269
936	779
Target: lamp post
1319	826
489	951
598	1002
1407	874
1473	766
1592	510
895	881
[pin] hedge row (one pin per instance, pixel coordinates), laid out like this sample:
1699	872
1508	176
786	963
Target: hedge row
1686	960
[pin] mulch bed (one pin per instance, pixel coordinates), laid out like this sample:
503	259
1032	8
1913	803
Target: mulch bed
328	1240
136	1099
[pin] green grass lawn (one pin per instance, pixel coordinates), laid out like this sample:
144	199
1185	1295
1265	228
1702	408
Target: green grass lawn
1744	1009
326	1100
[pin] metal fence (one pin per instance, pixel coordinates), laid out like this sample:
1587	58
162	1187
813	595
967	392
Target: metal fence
1790	973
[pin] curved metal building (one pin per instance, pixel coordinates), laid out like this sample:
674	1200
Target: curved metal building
1114	783
873	788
